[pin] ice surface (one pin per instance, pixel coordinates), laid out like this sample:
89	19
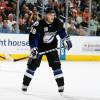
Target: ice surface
82	81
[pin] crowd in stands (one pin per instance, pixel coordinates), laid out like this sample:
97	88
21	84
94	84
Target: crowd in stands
8	16
31	10
79	21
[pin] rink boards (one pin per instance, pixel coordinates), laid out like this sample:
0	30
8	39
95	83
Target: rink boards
85	48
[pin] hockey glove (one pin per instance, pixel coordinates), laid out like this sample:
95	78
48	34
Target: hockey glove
34	53
67	43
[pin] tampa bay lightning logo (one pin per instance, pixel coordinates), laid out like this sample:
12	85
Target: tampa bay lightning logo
49	37
36	23
45	29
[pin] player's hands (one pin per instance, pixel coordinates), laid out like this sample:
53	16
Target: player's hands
67	43
34	53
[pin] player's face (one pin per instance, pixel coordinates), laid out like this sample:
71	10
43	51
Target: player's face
50	17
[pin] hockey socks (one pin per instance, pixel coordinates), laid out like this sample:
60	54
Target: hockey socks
27	79
59	79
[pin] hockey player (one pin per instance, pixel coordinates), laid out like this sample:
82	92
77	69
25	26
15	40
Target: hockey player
42	37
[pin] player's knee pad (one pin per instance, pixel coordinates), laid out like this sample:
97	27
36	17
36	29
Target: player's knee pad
32	64
55	65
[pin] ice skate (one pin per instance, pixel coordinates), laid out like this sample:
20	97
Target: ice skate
61	90
24	88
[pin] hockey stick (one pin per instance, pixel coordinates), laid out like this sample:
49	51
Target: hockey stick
2	57
7	57
41	53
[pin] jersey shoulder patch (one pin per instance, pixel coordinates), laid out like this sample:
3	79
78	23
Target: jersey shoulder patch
36	23
59	24
58	21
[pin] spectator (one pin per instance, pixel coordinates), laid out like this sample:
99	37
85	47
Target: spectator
85	15
72	27
10	21
34	15
13	11
85	18
2	12
93	25
21	25
14	30
22	9
26	23
5	28
79	17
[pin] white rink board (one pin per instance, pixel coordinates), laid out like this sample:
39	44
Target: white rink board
85	45
14	43
18	44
